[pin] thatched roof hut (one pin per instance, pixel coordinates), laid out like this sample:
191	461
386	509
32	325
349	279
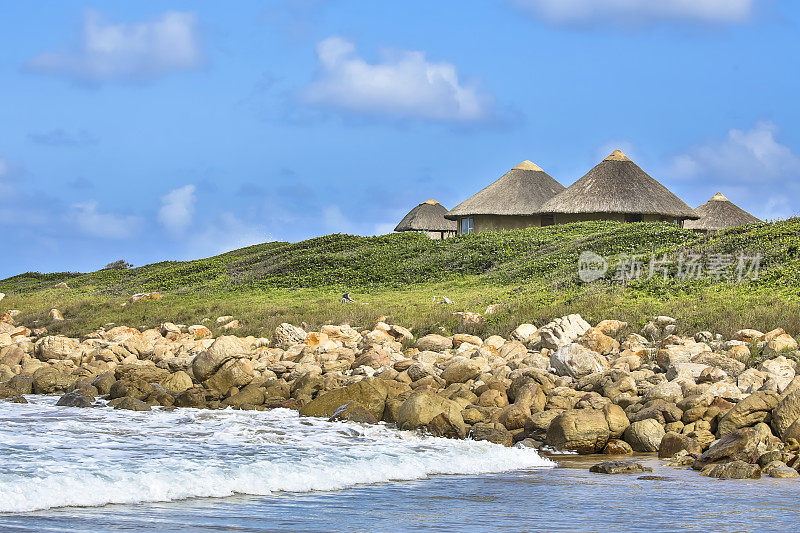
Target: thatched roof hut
617	189
428	217
520	191
719	213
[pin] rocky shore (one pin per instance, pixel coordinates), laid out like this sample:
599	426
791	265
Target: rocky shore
726	407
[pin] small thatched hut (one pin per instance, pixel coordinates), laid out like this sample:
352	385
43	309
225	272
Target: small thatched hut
511	202
719	213
428	217
617	189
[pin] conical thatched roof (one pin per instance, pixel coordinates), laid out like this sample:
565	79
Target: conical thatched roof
520	191
427	216
719	213
618	185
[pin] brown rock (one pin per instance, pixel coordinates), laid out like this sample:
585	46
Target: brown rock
353	412
741	444
493	433
617	447
371	393
754	409
672	443
580	430
434	343
597	341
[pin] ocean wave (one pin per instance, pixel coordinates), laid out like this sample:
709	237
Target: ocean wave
95	457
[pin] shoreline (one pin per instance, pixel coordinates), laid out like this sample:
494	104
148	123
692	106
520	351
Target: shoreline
726	407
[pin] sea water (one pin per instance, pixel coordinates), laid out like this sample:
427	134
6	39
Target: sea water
100	469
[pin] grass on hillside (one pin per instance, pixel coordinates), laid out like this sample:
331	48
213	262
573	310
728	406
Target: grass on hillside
531	272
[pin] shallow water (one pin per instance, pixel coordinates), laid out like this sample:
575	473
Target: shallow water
188	470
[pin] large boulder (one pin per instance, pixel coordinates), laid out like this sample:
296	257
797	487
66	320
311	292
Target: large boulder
11	355
287	335
307	385
599	342
514	416
780	344
249	395
562	331
731	366
580	430
495	433
538	423
786	412
373	357
353	412
679	353
146	373
177	383
673	443
577	361
434	343
103	382
19	385
419	370
194	397
747	335
423	406
524	331
129	403
224	348
616	419
742	444
54	347
76	398
233	373
370	393
754	409
735	470
619	467
667	391
645	435
460	369
780	369
48	380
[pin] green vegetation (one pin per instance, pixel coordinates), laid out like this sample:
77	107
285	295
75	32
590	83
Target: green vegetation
532	273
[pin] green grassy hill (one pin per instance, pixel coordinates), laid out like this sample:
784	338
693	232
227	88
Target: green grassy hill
531	272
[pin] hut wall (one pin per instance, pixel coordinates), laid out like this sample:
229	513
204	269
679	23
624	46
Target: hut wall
503	222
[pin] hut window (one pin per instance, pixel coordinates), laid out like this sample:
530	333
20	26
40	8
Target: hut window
548	220
466	225
633	217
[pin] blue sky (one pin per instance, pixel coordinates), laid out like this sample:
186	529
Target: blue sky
175	130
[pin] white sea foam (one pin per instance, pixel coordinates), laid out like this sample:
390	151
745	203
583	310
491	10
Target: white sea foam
59	457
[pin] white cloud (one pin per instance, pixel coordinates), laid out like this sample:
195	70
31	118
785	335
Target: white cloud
177	209
104	225
402	84
224	233
753	157
3	168
127	51
638	12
